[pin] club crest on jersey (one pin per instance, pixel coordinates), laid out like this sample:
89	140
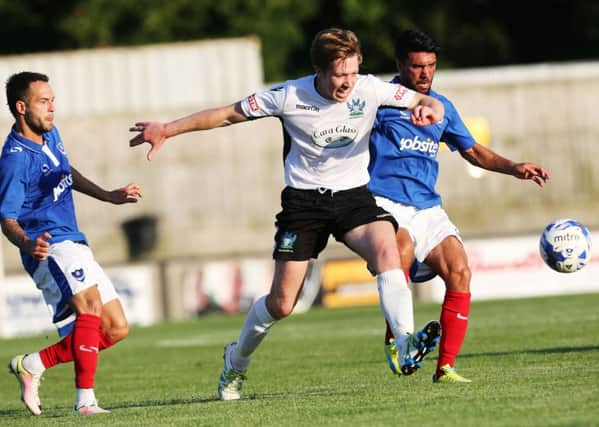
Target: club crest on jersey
356	108
78	274
335	135
45	169
287	242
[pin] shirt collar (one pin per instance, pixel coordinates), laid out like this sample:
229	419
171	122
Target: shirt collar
33	146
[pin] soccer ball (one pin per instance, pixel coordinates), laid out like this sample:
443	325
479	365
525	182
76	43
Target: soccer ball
565	245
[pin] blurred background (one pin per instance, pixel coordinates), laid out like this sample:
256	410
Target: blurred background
473	33
524	76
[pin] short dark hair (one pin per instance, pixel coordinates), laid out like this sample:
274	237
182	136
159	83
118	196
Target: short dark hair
17	87
414	40
332	44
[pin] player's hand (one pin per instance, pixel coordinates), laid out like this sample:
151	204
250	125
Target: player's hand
40	247
423	116
130	193
153	133
531	171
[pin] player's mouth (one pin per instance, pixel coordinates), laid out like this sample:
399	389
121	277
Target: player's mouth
423	84
342	93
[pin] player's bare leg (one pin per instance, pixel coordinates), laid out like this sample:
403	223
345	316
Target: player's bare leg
114	324
450	262
278	304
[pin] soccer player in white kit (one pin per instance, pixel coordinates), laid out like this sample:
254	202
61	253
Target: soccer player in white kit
37	215
327	118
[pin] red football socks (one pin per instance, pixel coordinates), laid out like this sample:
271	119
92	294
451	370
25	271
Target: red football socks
454	322
86	343
62	351
105	342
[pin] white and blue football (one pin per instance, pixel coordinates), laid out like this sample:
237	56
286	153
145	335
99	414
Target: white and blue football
565	245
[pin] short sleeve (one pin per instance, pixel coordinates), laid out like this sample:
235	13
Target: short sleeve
392	94
12	184
456	135
266	103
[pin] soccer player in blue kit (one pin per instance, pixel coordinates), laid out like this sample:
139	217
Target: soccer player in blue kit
37	215
327	118
404	171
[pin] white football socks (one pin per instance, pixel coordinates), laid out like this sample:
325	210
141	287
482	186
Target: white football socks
33	363
256	326
85	397
396	302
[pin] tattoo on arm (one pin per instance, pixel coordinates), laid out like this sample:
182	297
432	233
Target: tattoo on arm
14	233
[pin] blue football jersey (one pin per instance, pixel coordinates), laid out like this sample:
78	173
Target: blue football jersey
403	157
36	189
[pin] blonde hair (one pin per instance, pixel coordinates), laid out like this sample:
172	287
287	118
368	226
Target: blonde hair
332	44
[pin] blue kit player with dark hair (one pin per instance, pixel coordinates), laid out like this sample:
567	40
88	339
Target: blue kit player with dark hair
37	215
404	172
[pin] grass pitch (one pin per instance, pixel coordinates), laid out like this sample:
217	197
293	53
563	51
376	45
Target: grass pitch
534	362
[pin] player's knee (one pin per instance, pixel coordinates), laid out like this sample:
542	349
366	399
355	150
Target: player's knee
117	333
459	279
405	245
406	251
387	258
279	309
89	304
94	307
406	256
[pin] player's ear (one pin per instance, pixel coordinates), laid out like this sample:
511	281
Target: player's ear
20	106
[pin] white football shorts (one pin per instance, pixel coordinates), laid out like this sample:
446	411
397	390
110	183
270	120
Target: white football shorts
70	269
427	227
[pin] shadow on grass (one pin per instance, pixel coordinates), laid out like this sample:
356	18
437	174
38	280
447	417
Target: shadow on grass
13	413
552	350
62	411
210	399
534	351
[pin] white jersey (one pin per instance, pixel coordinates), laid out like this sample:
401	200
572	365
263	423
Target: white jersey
326	142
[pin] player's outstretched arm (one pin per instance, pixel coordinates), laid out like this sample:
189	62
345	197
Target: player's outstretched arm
426	110
130	193
156	133
483	157
532	171
38	248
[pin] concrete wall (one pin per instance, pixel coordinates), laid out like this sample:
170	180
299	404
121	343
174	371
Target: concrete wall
541	113
216	193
